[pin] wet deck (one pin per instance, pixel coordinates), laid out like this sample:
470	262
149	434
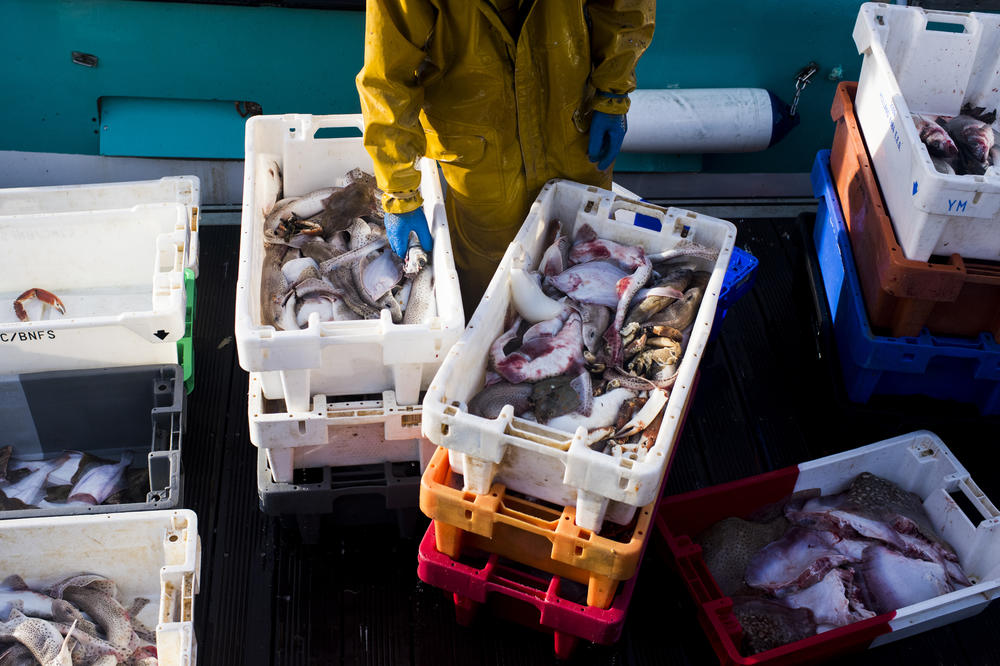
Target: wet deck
769	396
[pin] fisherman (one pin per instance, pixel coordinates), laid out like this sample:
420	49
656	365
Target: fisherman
505	95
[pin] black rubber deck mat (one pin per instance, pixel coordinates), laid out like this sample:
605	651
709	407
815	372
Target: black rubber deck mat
768	397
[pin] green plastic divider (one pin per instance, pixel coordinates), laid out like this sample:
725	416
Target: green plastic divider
185	346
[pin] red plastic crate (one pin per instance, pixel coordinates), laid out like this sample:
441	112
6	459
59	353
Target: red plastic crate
919	462
955	297
690	514
521	594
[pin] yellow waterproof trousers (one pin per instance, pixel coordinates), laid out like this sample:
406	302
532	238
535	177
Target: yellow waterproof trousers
446	79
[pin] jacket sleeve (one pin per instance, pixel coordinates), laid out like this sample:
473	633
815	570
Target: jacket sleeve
395	34
621	30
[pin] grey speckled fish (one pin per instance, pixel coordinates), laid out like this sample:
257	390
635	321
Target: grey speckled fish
728	545
679	314
109	615
421	307
488	402
769	624
39	636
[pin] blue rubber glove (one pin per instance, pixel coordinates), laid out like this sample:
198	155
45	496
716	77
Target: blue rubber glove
398	228
607	131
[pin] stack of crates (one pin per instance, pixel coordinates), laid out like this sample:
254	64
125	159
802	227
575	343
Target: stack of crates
526	517
908	255
108	378
334	408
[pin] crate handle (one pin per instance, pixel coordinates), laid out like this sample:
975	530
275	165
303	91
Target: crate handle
941	26
344	120
646	217
946	22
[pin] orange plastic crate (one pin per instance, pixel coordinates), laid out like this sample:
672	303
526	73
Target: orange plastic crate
531	533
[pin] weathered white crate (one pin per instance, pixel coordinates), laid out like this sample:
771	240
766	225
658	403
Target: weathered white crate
120	274
184	190
332	434
337	357
151	554
536	459
914	64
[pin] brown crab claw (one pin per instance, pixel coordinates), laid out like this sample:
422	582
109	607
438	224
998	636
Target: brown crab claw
44	296
309	228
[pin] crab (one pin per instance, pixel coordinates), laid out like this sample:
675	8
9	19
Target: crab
46	297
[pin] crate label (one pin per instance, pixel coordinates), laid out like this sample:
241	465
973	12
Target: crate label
27	336
957	205
890	112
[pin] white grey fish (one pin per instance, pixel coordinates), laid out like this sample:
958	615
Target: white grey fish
14	593
341	207
62	475
389	302
973	134
352	256
555	259
942	165
934	136
28	491
593	282
381	275
492	398
298	208
541	357
530	300
664	292
270	186
421	305
299	269
110	615
17	655
91	580
341	280
680	314
361	237
685	248
89	648
273	285
596	319
416	257
604	411
100	481
39	636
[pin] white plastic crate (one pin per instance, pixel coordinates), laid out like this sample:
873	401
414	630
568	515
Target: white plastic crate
918	462
184	190
120	274
332	434
339	357
914	64
921	463
151	554
538	460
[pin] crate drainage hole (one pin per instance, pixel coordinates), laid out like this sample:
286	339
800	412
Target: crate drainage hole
172	538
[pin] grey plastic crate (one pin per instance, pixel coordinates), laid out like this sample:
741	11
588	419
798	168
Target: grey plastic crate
103	412
386	492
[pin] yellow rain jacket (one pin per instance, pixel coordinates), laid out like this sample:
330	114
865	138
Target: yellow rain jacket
502	115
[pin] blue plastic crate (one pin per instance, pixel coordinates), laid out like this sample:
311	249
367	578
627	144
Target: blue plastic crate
962	369
739	279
